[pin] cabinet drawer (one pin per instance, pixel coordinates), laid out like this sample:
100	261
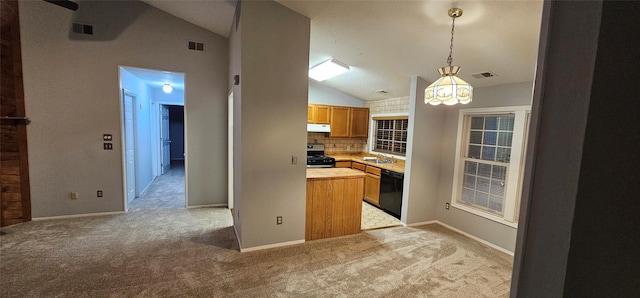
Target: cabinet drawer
358	166
343	164
373	170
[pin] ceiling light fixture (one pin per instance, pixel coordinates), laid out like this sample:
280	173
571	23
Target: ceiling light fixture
327	70
449	89
167	88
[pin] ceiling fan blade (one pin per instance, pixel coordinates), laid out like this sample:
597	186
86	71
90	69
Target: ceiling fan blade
64	3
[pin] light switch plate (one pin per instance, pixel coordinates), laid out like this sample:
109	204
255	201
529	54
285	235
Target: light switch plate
107	137
107	146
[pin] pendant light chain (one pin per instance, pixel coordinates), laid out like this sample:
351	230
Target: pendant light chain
453	25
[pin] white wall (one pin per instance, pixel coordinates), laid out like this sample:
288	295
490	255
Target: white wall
321	94
519	94
272	123
142	114
72	97
422	165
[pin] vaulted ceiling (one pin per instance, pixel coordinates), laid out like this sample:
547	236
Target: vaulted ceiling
386	42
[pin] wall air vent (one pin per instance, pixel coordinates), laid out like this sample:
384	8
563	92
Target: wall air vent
82	28
484	74
195	46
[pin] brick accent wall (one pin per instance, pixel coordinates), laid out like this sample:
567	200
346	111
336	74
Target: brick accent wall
391	105
15	200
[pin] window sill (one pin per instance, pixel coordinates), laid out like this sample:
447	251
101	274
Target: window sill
486	215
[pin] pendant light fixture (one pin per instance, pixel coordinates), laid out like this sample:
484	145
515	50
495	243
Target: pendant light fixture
449	89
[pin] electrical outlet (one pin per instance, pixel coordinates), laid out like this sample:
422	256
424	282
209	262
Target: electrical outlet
108	146
74	195
278	220
294	160
99	193
446	206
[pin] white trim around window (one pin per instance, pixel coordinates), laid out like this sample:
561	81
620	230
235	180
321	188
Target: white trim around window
372	133
507	184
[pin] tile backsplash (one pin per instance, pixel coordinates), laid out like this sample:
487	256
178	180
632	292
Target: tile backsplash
333	145
391	105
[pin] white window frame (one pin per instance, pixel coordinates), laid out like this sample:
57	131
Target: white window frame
372	134
515	168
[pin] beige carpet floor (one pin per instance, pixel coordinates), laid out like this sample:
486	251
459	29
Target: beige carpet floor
176	252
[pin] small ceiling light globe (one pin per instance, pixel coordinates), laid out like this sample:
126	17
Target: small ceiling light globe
167	88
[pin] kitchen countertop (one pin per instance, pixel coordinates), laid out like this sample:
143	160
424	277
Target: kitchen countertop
331	173
358	157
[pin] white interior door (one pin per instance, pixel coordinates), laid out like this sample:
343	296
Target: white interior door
129	144
165	141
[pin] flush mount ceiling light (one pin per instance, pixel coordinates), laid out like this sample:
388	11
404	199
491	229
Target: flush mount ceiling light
449	89
167	88
327	70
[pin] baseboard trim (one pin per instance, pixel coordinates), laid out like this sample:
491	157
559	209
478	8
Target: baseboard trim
430	222
288	243
235	231
77	215
207	206
485	242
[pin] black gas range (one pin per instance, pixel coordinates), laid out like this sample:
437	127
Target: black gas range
316	157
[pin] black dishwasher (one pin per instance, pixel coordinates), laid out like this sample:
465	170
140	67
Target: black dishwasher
391	192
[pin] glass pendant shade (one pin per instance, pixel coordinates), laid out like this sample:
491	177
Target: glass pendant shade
448	89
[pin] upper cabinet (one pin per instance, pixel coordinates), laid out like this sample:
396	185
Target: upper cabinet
318	114
359	122
348	122
340	117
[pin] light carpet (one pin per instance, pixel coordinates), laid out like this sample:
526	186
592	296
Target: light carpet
175	252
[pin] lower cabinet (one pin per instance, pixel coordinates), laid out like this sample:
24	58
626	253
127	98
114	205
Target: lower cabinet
334	207
372	186
343	164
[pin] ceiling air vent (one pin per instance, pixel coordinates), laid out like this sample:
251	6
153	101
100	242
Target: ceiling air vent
381	91
485	74
82	28
195	46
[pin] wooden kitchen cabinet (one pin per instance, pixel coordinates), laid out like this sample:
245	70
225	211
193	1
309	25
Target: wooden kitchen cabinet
359	123
334	206
318	114
343	164
348	122
372	186
358	166
340	122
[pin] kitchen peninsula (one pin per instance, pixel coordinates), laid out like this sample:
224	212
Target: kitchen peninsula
334	202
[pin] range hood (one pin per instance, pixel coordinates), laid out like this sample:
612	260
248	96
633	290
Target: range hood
318	128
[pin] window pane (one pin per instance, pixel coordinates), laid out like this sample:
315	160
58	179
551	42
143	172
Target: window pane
470	167
503	154
488	153
483	184
484	170
469	181
495	203
391	135
482	199
506	123
474	151
467	195
499	173
477	122
504	139
490	138
491	123
475	137
497	188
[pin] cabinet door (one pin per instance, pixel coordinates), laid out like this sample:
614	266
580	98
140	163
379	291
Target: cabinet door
340	117
310	114
359	127
321	114
343	164
372	189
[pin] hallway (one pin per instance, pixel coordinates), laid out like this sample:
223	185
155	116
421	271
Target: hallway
166	191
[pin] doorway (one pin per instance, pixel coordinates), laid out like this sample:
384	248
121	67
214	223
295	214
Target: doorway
153	142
